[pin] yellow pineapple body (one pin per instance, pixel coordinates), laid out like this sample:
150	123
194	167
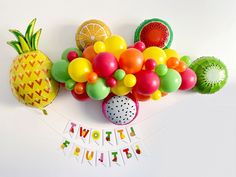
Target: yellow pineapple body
31	81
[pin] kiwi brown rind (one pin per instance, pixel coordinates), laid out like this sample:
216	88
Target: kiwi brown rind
204	67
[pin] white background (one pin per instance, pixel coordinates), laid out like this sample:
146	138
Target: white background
188	134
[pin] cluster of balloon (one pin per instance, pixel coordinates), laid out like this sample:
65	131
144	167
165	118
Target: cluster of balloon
104	68
108	69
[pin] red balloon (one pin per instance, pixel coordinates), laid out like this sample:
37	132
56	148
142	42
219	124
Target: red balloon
111	82
140	46
189	79
80	97
139	96
147	82
72	55
105	64
150	64
131	61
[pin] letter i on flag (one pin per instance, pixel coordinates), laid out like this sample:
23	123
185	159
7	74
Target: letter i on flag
109	138
116	158
102	159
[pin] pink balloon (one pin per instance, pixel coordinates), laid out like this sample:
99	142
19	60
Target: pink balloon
189	79
105	64
147	82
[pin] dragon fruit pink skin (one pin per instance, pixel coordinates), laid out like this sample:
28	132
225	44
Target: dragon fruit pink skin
120	110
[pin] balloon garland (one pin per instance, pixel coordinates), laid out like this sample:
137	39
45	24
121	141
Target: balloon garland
104	68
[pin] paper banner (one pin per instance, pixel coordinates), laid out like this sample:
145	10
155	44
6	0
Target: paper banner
133	134
122	136
102	159
116	158
128	154
71	130
66	146
96	137
100	137
83	134
105	158
109	137
124	141
89	157
77	153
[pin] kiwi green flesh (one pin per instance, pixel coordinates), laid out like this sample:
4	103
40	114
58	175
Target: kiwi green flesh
203	65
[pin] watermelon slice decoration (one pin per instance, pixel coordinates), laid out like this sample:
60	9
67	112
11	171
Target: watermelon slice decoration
154	32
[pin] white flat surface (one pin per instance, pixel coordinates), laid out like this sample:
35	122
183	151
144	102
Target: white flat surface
188	135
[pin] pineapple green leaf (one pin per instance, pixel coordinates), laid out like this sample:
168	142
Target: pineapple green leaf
21	39
16	46
35	40
29	32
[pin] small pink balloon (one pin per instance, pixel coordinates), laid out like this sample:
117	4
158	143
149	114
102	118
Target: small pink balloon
140	46
150	64
105	64
147	82
189	79
111	82
72	55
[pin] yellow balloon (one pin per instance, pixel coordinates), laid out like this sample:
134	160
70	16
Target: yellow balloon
156	95
79	68
155	53
115	45
120	89
129	80
99	47
171	53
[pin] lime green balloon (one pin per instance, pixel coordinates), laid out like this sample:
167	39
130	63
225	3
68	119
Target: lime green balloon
161	69
186	59
70	84
171	81
119	74
98	90
65	52
59	71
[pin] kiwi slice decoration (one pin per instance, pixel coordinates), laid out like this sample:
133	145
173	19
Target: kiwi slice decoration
211	74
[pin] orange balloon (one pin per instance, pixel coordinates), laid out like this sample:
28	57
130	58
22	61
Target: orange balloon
92	77
139	96
181	67
131	61
172	62
79	88
164	94
89	53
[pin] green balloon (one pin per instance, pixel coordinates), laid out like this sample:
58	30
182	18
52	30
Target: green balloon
60	71
161	69
186	59
119	74
65	52
70	84
98	90
171	81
